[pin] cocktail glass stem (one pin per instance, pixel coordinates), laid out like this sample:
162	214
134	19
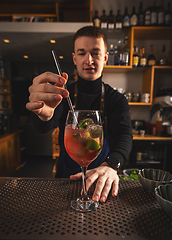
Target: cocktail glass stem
84	188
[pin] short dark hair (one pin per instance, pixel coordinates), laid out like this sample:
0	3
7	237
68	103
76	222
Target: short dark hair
90	31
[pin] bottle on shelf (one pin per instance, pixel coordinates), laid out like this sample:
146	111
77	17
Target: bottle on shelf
103	20
126	19
125	53
159	128
111	20
151	58
143	60
141	15
96	19
168	15
115	54
111	55
118	20
163	59
118	55
133	18
135	57
147	16
154	14
161	14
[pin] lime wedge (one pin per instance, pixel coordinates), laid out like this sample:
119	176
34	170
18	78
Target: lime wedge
92	145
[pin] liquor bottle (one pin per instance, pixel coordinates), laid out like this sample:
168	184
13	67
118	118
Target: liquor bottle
111	55
151	58
135	57
168	15
133	18
103	20
143	60
163	59
141	15
111	20
126	52
118	57
147	16
126	19
118	20
161	14
96	19
154	14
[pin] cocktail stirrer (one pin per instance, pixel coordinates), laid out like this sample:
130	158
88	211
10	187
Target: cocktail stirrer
60	73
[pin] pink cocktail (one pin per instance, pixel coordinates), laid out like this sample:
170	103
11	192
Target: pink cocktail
83	141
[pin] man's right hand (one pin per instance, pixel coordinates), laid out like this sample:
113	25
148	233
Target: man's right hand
44	96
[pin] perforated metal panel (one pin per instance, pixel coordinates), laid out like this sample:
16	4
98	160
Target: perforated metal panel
40	209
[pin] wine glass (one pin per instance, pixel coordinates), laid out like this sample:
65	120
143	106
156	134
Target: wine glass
83	141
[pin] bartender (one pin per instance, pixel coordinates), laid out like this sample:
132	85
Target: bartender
50	107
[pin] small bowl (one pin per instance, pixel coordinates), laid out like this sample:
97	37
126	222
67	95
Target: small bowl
151	178
163	194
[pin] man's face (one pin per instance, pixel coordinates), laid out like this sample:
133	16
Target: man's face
89	57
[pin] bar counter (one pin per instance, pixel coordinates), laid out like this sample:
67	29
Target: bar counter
40	209
151	137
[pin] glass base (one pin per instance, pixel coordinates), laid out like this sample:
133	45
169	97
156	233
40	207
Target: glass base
87	205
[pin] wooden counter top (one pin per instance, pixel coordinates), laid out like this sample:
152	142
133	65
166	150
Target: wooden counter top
151	137
9	135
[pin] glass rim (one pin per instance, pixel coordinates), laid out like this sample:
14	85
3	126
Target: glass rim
84	110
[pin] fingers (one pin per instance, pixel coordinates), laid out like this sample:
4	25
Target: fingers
46	93
107	179
51	77
115	187
76	176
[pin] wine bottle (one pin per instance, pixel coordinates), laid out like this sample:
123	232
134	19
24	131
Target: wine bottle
161	14
111	20
96	19
154	14
143	60
111	55
118	20
141	15
126	19
168	15
147	16
133	18
151	58
103	20
163	59
135	57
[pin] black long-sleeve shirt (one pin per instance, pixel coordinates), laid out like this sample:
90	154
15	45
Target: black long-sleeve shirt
116	111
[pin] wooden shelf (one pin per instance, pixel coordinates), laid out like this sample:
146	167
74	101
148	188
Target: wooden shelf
139	104
155	33
66	12
116	69
6	95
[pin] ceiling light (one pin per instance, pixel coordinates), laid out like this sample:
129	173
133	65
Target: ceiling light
25	56
61	57
52	41
6	41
